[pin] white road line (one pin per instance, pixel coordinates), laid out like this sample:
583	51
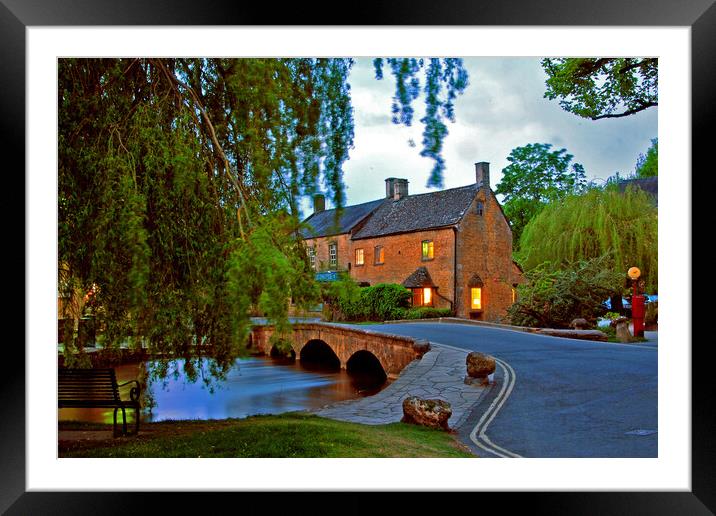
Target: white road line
512	380
480	431
473	435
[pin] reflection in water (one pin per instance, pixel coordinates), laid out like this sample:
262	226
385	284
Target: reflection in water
252	386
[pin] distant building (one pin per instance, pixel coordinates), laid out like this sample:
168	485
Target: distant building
649	184
451	248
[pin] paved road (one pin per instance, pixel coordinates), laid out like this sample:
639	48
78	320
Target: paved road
570	398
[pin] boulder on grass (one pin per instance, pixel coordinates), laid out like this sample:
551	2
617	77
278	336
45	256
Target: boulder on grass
432	413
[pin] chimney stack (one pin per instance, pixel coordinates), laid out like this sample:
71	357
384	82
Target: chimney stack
319	203
396	188
482	174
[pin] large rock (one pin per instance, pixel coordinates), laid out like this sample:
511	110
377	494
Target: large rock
579	324
622	326
479	367
432	413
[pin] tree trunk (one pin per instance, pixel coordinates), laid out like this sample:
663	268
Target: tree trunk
617	306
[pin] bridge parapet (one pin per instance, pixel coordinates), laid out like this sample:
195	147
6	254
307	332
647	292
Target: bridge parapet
394	352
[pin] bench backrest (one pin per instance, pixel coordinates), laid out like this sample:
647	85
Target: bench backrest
87	385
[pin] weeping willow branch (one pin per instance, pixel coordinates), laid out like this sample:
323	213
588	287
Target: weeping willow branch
212	133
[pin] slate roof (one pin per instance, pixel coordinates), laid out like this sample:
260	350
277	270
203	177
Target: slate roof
323	223
419	278
418	212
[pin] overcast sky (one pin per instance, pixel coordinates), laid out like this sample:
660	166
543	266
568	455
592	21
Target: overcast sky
502	108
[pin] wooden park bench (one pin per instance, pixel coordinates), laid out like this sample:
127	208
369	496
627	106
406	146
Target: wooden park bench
97	388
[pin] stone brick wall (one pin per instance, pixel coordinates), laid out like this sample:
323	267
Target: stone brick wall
394	352
403	254
322	258
485	248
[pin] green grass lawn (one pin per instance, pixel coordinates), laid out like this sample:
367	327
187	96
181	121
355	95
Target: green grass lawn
289	436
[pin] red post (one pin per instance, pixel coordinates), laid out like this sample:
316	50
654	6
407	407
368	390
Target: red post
637	315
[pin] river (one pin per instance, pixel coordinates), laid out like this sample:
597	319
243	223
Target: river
256	385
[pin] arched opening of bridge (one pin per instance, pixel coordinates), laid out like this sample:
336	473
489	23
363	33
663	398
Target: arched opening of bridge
317	355
283	354
366	372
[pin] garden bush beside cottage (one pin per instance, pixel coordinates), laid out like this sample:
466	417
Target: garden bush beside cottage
345	301
426	312
553	296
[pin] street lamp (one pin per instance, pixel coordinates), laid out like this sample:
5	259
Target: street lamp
637	303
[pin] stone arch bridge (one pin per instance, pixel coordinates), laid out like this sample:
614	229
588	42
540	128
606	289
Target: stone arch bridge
394	352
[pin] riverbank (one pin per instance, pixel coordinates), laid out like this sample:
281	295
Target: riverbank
292	435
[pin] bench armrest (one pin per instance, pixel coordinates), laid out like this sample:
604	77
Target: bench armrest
134	391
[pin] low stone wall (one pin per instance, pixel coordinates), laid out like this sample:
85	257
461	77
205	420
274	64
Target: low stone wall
394	352
574	334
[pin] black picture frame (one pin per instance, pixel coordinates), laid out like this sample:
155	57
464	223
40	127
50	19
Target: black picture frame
17	15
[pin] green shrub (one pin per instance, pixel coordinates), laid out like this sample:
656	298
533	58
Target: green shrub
344	300
610	331
385	301
651	317
426	312
552	297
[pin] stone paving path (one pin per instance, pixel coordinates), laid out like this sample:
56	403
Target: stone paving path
439	374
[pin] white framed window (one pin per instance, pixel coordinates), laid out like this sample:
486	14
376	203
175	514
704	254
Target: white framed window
333	255
312	257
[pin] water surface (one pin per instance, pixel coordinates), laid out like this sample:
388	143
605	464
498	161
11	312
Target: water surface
256	385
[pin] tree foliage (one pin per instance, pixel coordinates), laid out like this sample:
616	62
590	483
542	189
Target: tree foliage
535	177
444	80
604	87
648	165
179	183
554	296
622	226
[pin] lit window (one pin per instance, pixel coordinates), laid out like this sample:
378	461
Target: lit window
427	296
514	295
427	249
332	255
379	254
359	257
476	298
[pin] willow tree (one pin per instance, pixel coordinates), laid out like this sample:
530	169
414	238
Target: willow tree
179	183
444	79
600	222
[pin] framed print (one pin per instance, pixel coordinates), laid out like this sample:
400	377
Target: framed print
675	475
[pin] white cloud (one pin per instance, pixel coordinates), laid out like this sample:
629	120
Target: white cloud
502	108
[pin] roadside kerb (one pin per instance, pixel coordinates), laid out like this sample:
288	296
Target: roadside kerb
457	320
438	374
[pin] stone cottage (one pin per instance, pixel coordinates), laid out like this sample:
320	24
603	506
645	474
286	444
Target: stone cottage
451	248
